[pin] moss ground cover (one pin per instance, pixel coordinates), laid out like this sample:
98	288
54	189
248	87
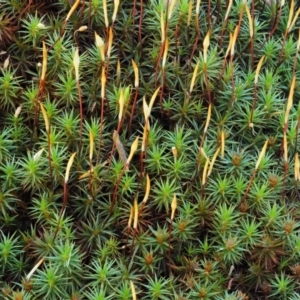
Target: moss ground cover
149	149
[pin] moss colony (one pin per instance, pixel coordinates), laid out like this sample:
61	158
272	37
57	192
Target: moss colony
149	150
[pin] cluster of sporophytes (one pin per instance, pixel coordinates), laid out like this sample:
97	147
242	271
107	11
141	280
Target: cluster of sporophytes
149	149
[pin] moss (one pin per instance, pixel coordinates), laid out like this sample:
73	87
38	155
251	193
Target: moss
149	148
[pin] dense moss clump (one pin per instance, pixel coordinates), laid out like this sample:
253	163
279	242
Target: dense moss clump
149	149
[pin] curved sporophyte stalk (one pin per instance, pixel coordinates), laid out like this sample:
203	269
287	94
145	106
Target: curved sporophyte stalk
70	13
135	222
206	42
103	85
261	156
91	159
224	23
165	53
76	62
41	86
284	142
47	125
255	88
147	112
198	32
134	13
136	86
230	50
289	27
133	149
173	209
168	7
147	192
65	193
251	33
204	132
